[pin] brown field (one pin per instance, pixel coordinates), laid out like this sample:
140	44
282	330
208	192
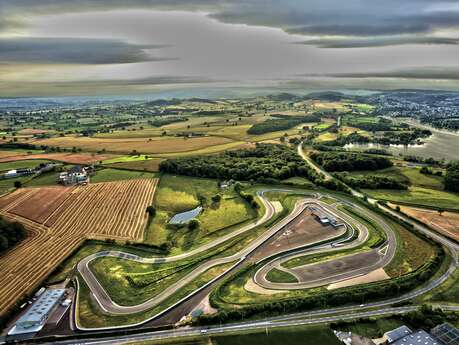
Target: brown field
100	210
41	203
304	229
73	158
323	270
447	223
6	154
142	145
31	131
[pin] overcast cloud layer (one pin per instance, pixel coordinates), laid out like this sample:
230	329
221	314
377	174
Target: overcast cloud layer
129	46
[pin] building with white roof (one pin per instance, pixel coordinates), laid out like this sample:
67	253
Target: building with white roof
420	337
35	318
397	333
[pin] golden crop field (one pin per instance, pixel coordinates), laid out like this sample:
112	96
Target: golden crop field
64	218
143	145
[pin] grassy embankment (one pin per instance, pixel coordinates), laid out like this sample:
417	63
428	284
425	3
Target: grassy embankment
91	311
177	194
322	335
424	190
278	276
412	254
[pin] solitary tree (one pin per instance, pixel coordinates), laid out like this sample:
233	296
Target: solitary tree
193	224
151	211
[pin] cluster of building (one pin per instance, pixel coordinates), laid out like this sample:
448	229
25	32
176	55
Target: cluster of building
45	303
431	108
39	169
444	334
76	175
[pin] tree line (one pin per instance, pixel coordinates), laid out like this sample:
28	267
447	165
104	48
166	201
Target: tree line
280	123
371	181
10	234
349	161
452	177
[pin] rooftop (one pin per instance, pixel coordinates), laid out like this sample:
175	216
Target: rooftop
42	306
420	337
446	333
397	333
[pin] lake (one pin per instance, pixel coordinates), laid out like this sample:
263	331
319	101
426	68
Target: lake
441	144
185	217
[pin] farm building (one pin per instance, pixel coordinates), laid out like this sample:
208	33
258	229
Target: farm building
17	172
35	318
26	171
76	175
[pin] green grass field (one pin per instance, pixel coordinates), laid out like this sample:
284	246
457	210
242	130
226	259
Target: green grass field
108	174
412	252
278	276
430	198
32	163
424	190
90	315
46	179
176	194
448	292
321	335
64	270
373	327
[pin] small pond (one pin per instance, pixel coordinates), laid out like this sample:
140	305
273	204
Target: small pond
185	217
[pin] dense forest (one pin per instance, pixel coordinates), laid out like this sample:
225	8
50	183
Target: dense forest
263	163
10	234
266	163
280	123
346	161
446	123
452	177
371	181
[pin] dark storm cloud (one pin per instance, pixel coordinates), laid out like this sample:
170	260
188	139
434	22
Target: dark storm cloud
313	17
360	42
73	50
431	73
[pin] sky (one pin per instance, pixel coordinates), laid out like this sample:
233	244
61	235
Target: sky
92	47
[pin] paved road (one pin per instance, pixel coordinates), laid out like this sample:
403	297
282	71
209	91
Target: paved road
312	164
108	305
452	246
380	259
265	324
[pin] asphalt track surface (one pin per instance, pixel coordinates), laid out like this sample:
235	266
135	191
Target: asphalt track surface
313	275
98	290
109	306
